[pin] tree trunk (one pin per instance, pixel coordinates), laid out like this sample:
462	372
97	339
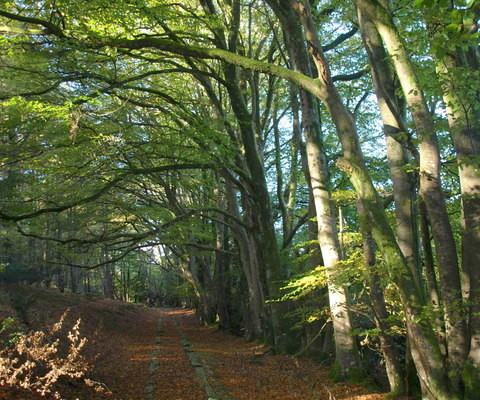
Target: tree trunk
430	187
430	364
108	286
222	292
345	345
396	136
464	121
395	372
431	278
277	326
249	263
73	280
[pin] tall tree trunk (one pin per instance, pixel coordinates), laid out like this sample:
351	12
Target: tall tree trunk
108	286
464	121
73	280
393	366
222	293
430	187
345	344
249	263
396	137
188	265
286	196
428	358
277	326
206	281
431	278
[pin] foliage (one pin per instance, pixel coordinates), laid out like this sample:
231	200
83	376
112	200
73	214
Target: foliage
11	331
304	284
39	359
133	157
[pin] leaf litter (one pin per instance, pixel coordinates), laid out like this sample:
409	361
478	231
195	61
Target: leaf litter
191	361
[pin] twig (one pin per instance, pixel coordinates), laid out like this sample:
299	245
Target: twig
311	341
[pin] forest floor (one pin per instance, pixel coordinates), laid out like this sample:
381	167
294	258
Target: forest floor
140	353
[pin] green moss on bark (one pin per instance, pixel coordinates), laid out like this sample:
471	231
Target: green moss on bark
471	380
352	375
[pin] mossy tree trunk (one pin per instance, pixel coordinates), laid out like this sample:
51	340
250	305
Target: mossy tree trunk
397	140
426	352
270	257
347	357
266	248
464	121
248	257
456	70
393	365
430	187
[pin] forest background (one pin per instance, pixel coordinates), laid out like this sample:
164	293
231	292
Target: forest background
302	173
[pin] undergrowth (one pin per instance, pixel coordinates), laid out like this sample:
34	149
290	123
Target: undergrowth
38	360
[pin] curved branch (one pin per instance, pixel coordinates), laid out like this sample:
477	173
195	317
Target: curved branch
50	29
340	39
173	47
349	77
103	190
213	54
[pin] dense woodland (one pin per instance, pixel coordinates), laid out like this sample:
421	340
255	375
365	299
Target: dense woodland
303	173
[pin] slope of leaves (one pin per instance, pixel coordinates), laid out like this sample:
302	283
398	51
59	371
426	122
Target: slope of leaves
122	338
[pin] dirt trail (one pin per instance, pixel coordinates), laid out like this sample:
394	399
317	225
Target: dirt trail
230	368
171	373
140	353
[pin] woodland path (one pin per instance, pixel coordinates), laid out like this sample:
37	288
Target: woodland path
140	353
191	362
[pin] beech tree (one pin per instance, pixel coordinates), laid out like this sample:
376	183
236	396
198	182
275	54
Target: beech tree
159	124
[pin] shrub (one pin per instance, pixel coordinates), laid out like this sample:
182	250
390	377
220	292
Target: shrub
37	360
11	331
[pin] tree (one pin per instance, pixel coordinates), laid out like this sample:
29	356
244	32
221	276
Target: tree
124	68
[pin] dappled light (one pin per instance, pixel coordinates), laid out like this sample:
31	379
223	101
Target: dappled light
120	359
262	199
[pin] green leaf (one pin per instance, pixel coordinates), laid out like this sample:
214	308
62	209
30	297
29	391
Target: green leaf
439	52
425	3
453	28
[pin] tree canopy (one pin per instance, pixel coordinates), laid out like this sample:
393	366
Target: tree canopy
304	173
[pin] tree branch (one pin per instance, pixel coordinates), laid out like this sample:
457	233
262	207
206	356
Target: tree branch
103	190
50	28
340	39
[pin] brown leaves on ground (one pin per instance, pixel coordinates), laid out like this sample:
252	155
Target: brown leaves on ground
250	372
122	338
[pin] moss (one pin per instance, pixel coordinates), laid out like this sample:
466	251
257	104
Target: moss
335	373
401	393
358	375
471	380
353	375
395	395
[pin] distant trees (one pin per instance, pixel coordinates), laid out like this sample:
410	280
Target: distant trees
154	152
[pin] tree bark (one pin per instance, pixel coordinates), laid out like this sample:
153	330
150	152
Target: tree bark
464	122
249	263
428	358
346	351
430	187
108	286
393	366
396	137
